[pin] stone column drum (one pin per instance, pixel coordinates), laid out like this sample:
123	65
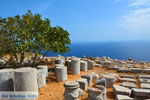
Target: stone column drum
41	78
83	66
88	77
75	66
103	89
25	79
45	69
61	73
94	94
6	80
59	61
90	65
71	90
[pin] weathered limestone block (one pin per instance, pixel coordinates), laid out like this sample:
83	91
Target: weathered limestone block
104	91
71	90
41	78
128	85
95	76
45	69
25	79
125	70
6	80
144	81
83	83
127	76
140	94
68	64
146	71
94	94
123	97
83	66
144	76
88	77
97	65
110	79
101	81
75	66
106	64
61	73
90	65
127	80
136	70
145	85
59	61
121	90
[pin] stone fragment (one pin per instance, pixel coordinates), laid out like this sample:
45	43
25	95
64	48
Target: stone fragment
61	73
90	65
7	80
41	78
88	77
121	90
123	97
83	66
127	80
127	76
136	70
125	70
140	94
144	76
83	83
146	71
101	81
94	94
145	85
45	69
103	89
75	66
25	79
71	90
128	85
144	81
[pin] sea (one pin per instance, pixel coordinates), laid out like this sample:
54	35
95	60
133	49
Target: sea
137	50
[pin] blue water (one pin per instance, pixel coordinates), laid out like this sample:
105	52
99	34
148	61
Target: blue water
117	50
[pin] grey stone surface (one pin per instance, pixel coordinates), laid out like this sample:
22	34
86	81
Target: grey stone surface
145	85
144	81
90	65
123	97
128	85
103	90
127	80
121	90
25	79
75	66
45	69
41	78
61	73
94	94
125	70
146	71
6	80
127	76
140	94
144	76
136	70
101	81
71	90
83	66
83	83
88	77
59	61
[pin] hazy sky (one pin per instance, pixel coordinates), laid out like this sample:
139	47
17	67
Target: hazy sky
90	20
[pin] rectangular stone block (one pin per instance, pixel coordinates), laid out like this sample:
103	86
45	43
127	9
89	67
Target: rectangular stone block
83	83
121	90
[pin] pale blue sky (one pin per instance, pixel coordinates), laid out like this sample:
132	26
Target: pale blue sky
90	20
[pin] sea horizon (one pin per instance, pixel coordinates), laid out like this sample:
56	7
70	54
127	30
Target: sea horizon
121	50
